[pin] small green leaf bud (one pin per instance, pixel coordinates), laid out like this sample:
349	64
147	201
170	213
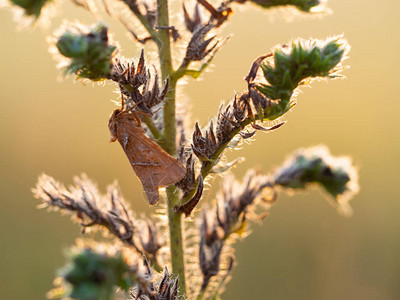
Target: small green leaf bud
303	5
31	7
90	54
94	275
72	46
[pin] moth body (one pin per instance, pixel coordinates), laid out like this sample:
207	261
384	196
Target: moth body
152	164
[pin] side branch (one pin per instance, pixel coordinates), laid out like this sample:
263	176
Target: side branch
145	20
285	69
93	210
231	122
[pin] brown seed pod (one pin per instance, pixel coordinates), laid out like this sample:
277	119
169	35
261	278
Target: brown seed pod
154	166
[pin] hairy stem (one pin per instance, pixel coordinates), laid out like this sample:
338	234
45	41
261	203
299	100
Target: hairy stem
148	27
202	291
169	143
145	22
176	238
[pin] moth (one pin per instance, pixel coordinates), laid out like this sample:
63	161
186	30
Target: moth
152	164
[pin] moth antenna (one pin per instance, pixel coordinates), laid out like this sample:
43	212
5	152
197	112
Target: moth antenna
158	109
139	112
134	106
135	113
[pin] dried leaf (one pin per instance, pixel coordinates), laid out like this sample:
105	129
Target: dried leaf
259	127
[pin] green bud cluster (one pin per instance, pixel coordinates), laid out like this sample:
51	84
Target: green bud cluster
89	53
31	7
95	276
303	5
336	175
304	59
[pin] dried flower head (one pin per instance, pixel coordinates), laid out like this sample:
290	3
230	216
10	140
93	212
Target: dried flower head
219	226
93	210
198	47
138	85
194	22
164	289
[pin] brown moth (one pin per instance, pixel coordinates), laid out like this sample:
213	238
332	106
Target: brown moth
154	166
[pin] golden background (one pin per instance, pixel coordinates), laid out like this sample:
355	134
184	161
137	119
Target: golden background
303	250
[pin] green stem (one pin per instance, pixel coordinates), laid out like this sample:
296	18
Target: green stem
201	294
176	238
169	143
153	128
146	25
145	22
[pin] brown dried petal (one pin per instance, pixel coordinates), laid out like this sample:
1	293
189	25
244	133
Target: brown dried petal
197	48
192	23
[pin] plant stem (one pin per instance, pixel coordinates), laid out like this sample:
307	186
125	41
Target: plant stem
145	22
201	293
176	238
169	143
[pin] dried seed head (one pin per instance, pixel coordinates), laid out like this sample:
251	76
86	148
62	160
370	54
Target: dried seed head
165	289
93	210
194	22
198	47
234	203
137	85
210	248
205	145
150	239
188	182
235	199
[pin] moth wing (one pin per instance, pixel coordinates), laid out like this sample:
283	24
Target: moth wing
154	166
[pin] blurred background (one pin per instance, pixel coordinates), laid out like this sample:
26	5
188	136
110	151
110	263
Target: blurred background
304	249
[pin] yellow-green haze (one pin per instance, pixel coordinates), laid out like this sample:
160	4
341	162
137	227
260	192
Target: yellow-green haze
304	249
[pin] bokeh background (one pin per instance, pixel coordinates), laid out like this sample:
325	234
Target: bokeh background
303	250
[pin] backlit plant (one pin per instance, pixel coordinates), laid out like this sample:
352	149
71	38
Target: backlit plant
153	257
